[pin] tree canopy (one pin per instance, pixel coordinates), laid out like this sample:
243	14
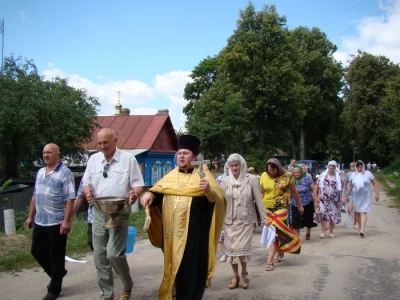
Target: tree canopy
269	88
35	111
371	110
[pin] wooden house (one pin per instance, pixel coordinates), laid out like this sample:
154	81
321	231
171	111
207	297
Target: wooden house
150	138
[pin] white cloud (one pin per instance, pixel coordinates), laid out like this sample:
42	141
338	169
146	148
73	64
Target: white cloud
377	35
172	84
139	97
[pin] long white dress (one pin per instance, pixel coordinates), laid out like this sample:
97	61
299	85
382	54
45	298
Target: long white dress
362	198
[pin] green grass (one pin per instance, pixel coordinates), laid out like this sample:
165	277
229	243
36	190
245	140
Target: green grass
393	189
15	249
137	220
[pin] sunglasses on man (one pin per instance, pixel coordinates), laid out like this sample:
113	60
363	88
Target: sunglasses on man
105	170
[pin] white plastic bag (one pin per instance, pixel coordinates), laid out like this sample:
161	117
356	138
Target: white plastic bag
348	221
268	235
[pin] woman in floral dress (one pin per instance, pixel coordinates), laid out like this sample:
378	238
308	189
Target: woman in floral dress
329	191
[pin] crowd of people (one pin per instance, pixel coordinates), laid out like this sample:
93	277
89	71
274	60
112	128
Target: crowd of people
192	213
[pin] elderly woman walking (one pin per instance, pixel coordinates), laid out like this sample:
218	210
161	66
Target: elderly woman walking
360	184
240	189
308	196
329	191
276	187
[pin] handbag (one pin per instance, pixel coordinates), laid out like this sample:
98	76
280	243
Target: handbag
317	216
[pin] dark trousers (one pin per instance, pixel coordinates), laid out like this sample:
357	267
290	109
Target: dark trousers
48	248
90	236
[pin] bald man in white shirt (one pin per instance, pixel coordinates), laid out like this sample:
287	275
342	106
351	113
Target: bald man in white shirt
111	172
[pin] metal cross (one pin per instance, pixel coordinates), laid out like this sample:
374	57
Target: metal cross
200	162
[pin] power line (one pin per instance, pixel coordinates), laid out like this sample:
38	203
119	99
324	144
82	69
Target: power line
342	14
362	21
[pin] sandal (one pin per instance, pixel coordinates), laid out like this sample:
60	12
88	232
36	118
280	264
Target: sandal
269	267
234	283
125	295
279	257
308	235
245	280
173	294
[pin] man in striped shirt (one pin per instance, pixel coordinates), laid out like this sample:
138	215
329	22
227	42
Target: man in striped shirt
50	214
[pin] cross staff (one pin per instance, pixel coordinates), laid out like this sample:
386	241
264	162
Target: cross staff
200	162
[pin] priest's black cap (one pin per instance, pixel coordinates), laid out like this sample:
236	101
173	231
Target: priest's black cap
189	142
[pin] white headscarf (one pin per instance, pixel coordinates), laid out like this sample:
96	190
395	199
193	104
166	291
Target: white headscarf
337	176
359	180
243	169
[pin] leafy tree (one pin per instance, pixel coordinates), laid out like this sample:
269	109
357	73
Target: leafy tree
34	112
203	76
260	61
391	109
370	105
322	82
218	120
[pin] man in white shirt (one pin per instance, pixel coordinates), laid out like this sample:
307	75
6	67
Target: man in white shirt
111	172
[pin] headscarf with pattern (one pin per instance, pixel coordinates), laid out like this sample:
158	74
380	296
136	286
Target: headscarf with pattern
277	163
302	172
337	176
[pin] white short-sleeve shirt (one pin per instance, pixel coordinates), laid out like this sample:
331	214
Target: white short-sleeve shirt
123	174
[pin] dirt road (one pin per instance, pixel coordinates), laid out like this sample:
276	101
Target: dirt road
343	267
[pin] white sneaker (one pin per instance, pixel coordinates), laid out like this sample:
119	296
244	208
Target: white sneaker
322	235
331	235
224	258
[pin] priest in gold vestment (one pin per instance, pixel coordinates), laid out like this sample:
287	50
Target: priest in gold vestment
187	214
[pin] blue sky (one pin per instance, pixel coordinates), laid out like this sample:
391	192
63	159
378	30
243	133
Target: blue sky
146	49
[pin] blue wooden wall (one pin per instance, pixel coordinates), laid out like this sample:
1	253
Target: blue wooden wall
155	165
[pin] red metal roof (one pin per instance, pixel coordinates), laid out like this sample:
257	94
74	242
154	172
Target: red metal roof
137	131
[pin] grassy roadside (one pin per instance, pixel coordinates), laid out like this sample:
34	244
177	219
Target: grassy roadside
15	249
391	183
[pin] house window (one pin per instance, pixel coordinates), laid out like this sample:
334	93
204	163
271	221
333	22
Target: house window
167	168
155	172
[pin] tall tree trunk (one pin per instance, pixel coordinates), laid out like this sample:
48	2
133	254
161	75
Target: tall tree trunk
293	146
302	146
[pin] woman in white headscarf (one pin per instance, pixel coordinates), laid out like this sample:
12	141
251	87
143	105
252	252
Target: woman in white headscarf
360	184
329	191
241	188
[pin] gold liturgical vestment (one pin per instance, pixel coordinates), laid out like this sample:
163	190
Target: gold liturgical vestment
178	189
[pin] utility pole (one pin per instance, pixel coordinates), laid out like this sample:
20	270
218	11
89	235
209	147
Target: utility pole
2	42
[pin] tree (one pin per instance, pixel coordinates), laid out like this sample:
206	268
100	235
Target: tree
218	120
285	82
391	108
370	105
322	82
260	61
203	76
34	112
